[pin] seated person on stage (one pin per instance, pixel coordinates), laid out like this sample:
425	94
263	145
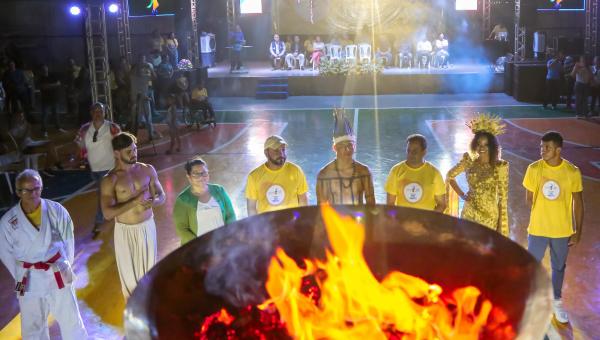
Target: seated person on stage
237	41
295	53
499	33
405	56
277	52
424	50
441	51
288	42
384	52
318	51
199	101
308	46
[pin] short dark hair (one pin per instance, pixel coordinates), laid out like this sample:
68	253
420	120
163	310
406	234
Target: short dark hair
123	140
553	136
192	163
417	138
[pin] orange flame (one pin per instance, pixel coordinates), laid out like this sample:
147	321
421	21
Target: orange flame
354	304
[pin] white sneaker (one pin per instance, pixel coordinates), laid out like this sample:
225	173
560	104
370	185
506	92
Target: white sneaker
560	313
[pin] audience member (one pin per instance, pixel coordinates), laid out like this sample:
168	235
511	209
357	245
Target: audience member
583	78
71	88
568	66
21	132
172	123
553	79
237	41
171	45
156	42
121	100
49	91
595	89
141	95
276	52
164	73
199	101
15	85
94	142
181	88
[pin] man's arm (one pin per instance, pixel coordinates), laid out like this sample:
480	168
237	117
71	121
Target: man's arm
251	206
303	199
370	191
156	189
440	203
108	200
272	49
578	212
529	198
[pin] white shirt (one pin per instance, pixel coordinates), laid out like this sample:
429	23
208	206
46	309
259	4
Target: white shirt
424	46
208	216
441	44
99	154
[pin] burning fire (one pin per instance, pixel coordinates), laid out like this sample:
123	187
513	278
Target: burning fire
339	298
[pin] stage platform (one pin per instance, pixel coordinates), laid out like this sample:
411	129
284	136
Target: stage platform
458	78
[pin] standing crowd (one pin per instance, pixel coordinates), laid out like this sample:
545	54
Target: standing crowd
37	235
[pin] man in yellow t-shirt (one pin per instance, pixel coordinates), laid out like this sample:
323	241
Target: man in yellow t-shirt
276	184
555	194
416	183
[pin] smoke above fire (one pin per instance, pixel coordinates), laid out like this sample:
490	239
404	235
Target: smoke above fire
238	267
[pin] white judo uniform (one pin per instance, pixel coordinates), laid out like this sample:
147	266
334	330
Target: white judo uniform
40	262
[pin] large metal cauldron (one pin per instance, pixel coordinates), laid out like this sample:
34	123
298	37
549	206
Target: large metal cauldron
173	298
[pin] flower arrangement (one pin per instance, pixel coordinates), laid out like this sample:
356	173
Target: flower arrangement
343	67
185	64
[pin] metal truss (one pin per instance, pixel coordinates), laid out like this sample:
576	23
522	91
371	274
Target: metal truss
520	34
123	35
486	18
97	54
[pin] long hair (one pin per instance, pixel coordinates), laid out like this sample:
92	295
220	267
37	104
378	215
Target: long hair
493	146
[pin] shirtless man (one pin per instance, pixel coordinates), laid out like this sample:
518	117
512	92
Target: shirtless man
128	193
344	180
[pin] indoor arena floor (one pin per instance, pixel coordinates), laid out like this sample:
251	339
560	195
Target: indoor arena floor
381	124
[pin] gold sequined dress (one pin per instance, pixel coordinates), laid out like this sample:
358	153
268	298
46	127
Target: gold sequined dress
488	192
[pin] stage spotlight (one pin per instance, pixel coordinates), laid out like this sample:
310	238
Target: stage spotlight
113	8
75	10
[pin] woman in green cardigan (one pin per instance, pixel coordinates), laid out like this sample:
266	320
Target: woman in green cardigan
200	207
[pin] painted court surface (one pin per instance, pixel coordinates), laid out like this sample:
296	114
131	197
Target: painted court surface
234	148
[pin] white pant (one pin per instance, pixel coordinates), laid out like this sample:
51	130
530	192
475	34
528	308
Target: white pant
62	304
289	59
135	251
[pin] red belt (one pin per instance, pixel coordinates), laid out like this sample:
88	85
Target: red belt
41	266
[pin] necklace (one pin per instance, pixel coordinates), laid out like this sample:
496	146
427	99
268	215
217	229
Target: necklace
342	178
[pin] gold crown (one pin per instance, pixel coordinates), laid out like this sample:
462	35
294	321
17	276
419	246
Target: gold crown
485	122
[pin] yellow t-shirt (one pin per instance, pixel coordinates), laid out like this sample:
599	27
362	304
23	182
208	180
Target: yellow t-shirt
415	188
553	188
36	216
276	190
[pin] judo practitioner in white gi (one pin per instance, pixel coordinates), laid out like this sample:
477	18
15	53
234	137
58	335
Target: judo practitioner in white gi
37	247
128	193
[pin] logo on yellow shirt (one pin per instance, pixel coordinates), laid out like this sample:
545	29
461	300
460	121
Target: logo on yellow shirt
551	190
275	194
413	192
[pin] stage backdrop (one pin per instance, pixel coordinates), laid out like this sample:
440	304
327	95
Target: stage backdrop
400	18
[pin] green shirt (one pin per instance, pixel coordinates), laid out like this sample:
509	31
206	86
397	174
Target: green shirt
184	212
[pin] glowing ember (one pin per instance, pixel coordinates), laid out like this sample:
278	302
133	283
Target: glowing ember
339	298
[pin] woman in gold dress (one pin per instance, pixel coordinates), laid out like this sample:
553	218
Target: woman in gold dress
487	176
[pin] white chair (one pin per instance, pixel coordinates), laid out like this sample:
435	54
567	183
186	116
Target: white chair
364	53
335	52
327	52
351	52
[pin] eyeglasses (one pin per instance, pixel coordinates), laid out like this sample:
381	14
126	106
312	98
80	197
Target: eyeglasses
29	191
199	174
95	136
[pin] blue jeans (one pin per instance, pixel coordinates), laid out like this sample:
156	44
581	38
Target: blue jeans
559	249
97	177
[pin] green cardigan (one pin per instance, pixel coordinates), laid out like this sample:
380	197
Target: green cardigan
184	212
